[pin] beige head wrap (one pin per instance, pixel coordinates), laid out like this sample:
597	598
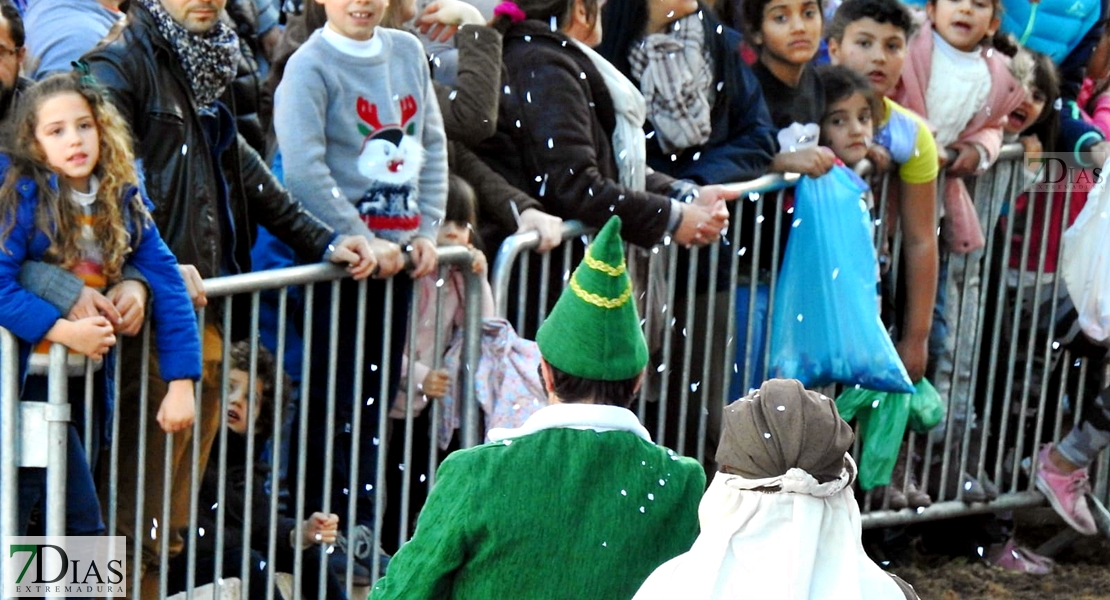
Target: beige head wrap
783	426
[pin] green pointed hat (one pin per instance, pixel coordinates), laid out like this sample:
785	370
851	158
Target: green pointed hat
594	330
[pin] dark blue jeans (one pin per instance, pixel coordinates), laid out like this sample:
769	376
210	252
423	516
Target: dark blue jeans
340	435
938	335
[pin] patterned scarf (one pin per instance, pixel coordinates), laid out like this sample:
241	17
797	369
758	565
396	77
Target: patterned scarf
675	77
210	59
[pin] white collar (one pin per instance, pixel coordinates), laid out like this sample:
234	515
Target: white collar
356	48
86	198
953	53
598	417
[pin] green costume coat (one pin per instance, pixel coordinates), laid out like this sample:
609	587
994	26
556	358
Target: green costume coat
577	504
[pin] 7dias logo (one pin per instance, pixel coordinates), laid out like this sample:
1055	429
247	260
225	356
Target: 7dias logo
1058	172
70	566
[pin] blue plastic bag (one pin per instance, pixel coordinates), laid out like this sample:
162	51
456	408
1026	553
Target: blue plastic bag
826	325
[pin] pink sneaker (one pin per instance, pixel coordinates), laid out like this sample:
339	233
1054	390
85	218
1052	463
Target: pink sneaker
1013	557
1066	493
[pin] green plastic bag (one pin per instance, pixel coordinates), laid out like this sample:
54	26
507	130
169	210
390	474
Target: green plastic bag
926	407
882	418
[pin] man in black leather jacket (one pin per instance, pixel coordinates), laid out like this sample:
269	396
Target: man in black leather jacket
168	71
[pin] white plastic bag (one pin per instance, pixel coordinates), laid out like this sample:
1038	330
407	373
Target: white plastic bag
1085	263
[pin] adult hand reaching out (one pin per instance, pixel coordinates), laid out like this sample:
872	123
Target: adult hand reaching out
129	298
548	226
91	303
706	217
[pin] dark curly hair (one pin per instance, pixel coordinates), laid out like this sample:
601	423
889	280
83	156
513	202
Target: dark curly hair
881	11
267	375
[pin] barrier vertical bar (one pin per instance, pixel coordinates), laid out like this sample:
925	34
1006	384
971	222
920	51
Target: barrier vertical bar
329	419
410	394
275	471
708	402
9	432
89	417
356	426
472	350
57	430
688	340
437	363
248	481
194	483
776	260
733	281
545	285
668	336
221	435
302	436
140	490
383	422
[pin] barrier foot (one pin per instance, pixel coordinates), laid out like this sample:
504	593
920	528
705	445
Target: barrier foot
1101	515
1059	542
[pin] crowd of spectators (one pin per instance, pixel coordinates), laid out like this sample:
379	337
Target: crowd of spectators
367	132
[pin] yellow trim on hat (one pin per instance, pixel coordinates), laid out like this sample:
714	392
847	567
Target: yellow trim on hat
604	267
600	301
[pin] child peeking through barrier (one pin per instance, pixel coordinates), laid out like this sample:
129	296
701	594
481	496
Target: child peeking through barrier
246	474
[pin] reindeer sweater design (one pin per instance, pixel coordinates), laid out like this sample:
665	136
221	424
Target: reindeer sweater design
362	138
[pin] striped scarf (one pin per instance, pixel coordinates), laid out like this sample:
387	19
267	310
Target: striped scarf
675	78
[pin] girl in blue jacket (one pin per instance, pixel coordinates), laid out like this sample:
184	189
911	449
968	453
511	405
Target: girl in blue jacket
70	196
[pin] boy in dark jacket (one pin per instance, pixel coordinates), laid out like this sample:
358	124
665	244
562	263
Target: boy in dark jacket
245	498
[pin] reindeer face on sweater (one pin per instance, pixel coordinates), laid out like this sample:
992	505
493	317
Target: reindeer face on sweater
391	159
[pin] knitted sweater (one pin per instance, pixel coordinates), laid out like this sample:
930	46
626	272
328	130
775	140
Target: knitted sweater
362	137
559	513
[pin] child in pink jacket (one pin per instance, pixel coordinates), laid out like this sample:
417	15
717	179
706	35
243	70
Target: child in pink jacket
967	107
967	104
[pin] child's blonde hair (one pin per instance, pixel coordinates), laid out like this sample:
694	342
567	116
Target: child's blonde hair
55	215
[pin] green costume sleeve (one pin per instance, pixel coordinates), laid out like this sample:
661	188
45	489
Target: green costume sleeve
424	568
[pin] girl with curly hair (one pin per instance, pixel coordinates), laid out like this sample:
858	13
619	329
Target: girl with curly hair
71	196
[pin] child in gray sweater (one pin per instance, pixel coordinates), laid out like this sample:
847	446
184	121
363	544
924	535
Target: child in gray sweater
363	146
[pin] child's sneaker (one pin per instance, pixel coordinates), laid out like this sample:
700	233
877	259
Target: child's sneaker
1013	557
1066	492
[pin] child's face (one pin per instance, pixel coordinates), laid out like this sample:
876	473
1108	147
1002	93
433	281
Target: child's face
237	398
791	31
453	234
872	49
847	128
66	133
1027	112
355	19
962	23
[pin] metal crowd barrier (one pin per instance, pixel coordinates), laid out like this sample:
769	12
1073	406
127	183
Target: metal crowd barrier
1023	391
1008	390
237	573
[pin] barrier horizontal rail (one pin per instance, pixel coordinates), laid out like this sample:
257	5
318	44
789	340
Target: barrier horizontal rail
256	281
1035	397
251	285
958	453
